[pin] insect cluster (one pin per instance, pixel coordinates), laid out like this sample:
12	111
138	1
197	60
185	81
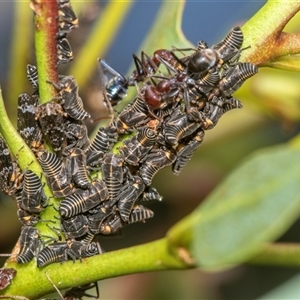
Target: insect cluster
103	183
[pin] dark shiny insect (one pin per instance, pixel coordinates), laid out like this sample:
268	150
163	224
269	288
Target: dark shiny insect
64	51
32	76
156	160
137	147
10	173
63	251
179	125
101	144
6	275
78	292
78	168
179	88
233	79
29	244
67	19
190	92
163	96
68	94
169	58
147	66
113	174
114	85
128	196
84	200
185	152
225	52
158	96
27	125
51	118
33	199
165	92
57	174
81	291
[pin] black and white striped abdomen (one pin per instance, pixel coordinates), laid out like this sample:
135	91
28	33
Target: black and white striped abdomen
32	76
72	205
29	244
52	253
140	213
76	110
50	163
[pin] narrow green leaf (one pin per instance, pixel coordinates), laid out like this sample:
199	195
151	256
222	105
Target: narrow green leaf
290	289
15	142
20	48
289	63
166	30
99	40
254	205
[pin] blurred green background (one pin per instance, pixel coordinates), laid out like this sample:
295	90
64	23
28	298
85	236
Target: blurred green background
270	116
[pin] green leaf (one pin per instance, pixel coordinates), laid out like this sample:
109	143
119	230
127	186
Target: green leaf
166	30
99	40
265	44
290	289
289	63
276	93
20	47
254	205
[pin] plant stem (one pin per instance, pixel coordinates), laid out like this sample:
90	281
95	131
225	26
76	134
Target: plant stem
264	32
46	26
26	158
180	237
15	142
153	256
278	254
